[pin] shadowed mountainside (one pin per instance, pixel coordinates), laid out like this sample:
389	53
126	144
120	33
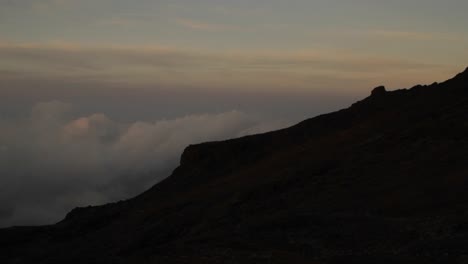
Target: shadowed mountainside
383	181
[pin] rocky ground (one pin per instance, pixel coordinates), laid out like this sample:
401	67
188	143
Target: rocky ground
383	181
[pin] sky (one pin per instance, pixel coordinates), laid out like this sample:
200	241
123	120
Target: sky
98	98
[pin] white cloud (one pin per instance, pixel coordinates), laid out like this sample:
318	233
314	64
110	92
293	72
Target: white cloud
52	162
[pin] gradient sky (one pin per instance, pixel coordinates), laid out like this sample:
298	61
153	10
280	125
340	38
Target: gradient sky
99	97
267	46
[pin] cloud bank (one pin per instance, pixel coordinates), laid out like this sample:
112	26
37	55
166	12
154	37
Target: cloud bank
52	162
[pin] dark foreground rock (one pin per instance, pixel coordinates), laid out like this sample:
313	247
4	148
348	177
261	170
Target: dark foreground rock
384	181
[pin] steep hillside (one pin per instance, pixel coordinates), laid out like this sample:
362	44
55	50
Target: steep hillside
383	181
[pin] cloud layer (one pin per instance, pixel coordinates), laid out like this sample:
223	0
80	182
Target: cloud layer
51	161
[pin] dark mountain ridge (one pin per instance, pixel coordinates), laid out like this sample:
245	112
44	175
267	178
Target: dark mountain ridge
383	181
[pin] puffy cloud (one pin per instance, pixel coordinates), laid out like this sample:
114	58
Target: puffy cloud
51	161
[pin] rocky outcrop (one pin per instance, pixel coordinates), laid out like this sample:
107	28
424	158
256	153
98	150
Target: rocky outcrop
379	91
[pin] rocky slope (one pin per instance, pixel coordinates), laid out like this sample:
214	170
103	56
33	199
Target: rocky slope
383	181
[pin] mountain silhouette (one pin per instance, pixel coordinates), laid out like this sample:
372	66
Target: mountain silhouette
383	181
